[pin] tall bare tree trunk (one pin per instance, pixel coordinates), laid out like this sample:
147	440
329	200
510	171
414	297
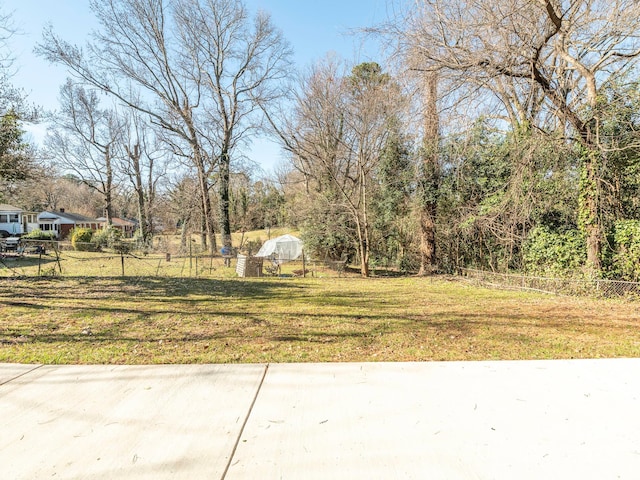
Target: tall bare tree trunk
363	227
205	200
108	189
223	199
430	178
134	157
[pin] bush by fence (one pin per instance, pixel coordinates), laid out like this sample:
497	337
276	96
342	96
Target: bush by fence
557	286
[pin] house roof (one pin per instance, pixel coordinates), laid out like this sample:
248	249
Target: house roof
118	221
69	217
4	207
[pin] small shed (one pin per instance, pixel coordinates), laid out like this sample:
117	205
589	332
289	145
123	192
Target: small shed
281	249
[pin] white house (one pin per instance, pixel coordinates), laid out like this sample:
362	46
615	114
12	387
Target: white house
10	220
61	223
29	221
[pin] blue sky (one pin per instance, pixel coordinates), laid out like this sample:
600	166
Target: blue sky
314	28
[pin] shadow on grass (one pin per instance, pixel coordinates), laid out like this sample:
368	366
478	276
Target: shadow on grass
16	264
310	328
235	313
144	287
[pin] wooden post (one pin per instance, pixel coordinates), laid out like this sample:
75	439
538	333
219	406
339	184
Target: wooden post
122	262
55	249
304	269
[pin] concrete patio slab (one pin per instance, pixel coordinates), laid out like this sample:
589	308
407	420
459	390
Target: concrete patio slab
485	420
466	420
106	422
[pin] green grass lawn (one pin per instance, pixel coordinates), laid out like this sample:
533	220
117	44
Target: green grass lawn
134	320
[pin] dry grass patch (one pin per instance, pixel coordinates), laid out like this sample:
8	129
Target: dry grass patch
173	320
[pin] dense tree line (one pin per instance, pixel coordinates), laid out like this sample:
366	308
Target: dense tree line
503	135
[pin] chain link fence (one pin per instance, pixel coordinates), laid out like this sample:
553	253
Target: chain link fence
556	286
53	258
33	258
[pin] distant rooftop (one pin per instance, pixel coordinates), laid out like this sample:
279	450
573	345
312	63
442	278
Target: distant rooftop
5	207
76	217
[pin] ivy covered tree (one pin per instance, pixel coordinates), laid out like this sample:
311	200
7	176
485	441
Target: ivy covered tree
393	226
495	188
561	55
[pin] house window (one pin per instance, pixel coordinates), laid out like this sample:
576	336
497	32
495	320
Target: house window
3	219
14	218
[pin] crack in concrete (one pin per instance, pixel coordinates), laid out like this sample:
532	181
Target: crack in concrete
36	367
244	424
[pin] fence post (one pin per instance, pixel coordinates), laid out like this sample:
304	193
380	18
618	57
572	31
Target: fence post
55	249
122	262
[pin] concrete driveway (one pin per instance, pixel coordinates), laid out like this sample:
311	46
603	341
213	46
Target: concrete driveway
453	420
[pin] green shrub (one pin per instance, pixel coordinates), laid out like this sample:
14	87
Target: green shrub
81	239
107	237
625	262
38	234
549	253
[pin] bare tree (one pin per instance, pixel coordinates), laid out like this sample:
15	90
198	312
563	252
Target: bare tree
337	134
181	206
565	50
84	141
68	192
136	57
195	67
373	99
239	62
8	94
143	162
